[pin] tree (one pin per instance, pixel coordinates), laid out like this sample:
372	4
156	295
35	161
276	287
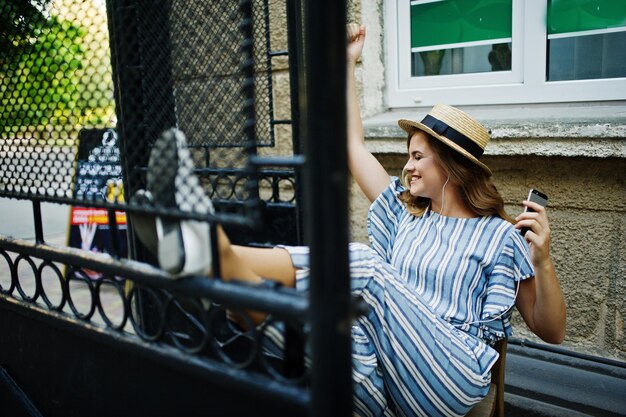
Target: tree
41	57
18	20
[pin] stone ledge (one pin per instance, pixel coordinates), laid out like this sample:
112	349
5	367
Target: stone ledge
546	380
581	129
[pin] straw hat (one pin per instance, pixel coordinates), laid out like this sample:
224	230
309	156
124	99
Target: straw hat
456	129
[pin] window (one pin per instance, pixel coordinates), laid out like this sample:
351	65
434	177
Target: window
449	37
504	51
586	40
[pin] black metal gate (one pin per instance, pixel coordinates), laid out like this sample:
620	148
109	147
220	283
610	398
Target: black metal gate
110	334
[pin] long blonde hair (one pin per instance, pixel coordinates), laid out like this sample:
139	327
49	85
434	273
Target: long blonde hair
477	190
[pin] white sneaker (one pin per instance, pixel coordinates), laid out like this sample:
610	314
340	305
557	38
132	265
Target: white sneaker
184	246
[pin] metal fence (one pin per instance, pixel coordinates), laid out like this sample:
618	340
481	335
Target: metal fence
86	88
175	64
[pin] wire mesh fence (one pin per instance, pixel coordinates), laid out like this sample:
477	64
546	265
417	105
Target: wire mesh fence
55	79
87	87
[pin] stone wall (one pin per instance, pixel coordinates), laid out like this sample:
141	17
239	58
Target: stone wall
588	222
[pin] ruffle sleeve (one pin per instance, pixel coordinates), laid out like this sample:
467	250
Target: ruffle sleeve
384	217
512	266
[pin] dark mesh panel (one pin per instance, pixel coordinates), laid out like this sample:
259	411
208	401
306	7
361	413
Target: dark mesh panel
87	88
55	79
206	68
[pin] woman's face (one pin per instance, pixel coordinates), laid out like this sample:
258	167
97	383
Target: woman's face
425	175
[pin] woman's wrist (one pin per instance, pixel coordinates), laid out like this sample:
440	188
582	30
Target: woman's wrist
543	266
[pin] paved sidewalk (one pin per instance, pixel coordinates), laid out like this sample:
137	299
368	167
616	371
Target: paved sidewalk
16	219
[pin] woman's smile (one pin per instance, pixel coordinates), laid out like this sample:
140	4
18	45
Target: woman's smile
415	178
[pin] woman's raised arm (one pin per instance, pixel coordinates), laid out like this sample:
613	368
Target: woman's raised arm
365	168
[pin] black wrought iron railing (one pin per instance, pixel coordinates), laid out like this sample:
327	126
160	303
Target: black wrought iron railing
86	88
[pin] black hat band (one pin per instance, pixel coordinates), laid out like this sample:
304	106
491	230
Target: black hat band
442	129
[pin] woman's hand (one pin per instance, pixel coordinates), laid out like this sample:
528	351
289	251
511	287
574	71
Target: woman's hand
540	301
538	234
356	39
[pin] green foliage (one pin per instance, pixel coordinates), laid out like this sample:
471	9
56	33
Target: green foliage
18	22
42	77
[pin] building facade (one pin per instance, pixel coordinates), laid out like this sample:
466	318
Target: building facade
554	102
549	81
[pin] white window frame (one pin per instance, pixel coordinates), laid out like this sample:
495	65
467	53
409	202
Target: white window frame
524	83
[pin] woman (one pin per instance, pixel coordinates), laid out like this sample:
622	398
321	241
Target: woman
445	266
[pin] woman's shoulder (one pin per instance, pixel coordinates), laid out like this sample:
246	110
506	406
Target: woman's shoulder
395	186
499	222
389	197
503	233
499	229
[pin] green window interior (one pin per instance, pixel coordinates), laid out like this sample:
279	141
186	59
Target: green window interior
447	22
567	16
586	39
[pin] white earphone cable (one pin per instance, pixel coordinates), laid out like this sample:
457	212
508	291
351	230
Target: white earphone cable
443	195
499	315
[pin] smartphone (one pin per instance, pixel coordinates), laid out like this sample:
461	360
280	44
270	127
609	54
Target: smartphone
538	197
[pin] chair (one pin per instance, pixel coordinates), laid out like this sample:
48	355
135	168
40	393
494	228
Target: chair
493	403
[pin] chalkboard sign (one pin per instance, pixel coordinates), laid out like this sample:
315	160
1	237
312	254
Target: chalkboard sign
98	178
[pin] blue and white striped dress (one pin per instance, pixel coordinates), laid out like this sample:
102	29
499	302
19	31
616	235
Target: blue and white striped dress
440	291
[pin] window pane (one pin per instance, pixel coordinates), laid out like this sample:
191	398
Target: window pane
586	39
566	16
587	57
460	36
450	22
474	59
